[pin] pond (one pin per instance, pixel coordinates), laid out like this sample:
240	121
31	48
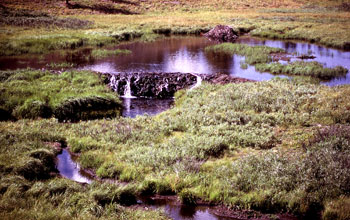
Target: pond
179	54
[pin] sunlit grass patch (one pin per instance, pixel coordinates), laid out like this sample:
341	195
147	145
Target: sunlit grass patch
253	54
301	68
101	53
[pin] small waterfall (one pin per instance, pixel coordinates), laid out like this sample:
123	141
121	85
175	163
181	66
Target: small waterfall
127	90
198	82
113	83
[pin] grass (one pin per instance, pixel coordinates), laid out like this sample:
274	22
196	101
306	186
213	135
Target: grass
72	95
276	146
31	159
101	53
253	54
253	145
300	21
301	68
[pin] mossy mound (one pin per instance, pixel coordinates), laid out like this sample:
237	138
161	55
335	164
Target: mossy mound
70	96
39	166
87	108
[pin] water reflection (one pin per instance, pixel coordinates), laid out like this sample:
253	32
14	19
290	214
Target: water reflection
141	106
181	212
70	169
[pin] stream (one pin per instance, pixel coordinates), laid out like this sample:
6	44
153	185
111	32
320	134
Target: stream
70	169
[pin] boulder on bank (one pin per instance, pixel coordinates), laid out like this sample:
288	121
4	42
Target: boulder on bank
222	33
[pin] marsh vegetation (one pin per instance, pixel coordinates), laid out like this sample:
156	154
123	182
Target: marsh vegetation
277	146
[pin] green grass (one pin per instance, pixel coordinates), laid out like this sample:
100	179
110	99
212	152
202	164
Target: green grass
301	68
253	145
72	95
277	146
253	54
102	53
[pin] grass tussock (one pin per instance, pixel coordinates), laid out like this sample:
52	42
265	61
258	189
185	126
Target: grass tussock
72	95
301	68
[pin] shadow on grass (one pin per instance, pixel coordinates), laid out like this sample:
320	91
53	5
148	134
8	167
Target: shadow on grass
103	8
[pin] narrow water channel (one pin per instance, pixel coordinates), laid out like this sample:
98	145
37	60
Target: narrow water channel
70	169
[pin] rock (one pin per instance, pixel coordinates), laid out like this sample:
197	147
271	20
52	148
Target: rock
222	33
